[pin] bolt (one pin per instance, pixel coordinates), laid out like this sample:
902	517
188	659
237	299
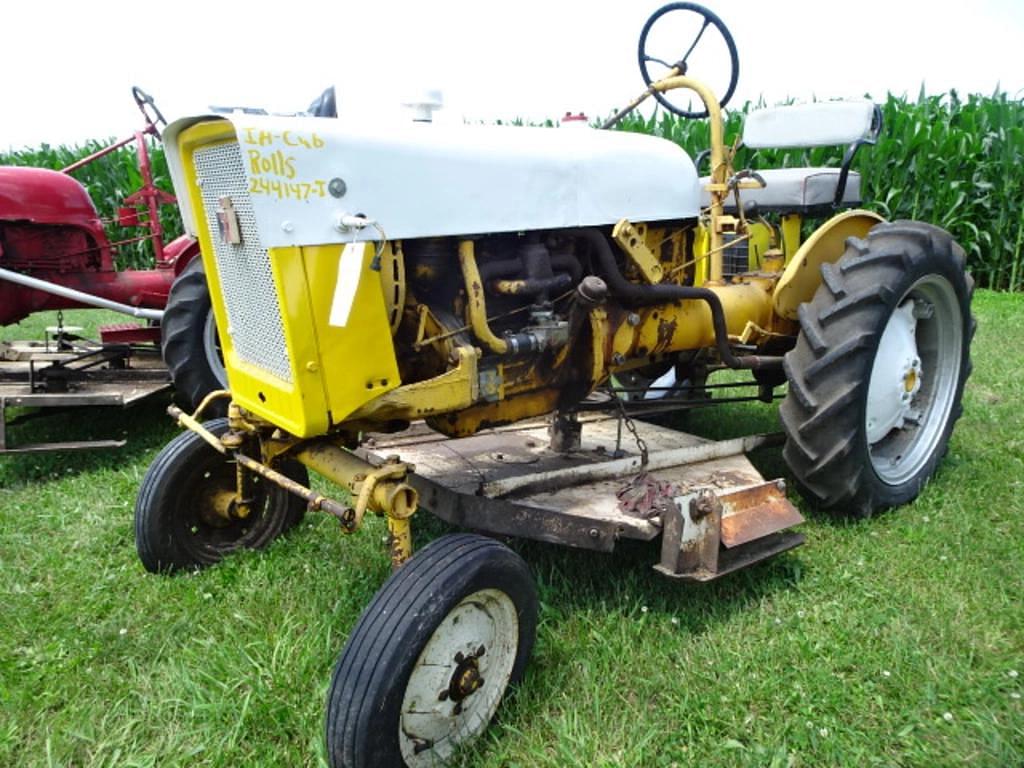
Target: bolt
480	651
337	187
459	658
594	533
618	359
443	695
287	226
703	505
633	318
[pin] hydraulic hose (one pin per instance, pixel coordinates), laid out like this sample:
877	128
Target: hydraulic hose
645	295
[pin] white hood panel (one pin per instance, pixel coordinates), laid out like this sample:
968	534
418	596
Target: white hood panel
425	180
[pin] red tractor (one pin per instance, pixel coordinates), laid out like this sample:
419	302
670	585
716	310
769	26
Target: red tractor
55	254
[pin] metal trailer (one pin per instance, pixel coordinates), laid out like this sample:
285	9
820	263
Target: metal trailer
42	377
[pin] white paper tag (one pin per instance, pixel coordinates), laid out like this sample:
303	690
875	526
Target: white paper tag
350	266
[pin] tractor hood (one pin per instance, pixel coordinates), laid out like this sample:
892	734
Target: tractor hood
427	180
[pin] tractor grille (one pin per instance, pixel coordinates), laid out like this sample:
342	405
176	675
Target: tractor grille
253	308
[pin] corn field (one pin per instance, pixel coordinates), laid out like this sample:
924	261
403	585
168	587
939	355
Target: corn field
952	162
109	181
956	163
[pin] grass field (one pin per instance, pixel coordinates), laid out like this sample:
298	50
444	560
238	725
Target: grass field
893	642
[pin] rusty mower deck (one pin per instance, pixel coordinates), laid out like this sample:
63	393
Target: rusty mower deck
714	510
48	376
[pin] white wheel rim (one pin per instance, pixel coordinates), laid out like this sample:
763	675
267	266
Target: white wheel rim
211	347
432	724
914	380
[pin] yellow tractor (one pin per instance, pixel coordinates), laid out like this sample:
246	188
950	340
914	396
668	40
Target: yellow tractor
465	320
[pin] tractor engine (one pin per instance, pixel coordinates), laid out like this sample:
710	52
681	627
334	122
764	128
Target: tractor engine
467	276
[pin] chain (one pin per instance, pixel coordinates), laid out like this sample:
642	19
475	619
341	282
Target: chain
624	419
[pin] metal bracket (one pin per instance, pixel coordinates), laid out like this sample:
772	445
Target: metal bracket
709	534
631	238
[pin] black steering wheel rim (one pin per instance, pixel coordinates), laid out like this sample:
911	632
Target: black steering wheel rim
710	19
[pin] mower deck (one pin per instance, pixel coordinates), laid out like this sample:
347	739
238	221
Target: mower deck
714	509
42	376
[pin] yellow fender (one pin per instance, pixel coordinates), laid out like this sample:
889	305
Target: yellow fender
803	274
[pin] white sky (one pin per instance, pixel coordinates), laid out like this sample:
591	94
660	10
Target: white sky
66	68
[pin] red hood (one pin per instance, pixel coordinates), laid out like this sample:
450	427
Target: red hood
45	197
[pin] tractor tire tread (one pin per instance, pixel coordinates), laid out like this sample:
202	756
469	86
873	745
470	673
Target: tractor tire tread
834	354
368	661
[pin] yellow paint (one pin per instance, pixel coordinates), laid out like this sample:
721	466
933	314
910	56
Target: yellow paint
720	166
477	304
791	224
400	540
271	157
666	328
803	274
454	389
632	240
701	246
334	370
761	237
470	420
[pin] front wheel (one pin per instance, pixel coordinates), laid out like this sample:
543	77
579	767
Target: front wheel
878	371
432	656
187	514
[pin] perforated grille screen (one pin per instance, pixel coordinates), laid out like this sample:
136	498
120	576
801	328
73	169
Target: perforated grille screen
254	312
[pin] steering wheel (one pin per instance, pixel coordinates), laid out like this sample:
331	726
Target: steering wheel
707	19
145	103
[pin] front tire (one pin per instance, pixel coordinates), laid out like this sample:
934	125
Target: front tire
179	513
877	374
432	656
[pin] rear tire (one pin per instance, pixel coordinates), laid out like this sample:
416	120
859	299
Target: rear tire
189	341
432	655
176	522
877	374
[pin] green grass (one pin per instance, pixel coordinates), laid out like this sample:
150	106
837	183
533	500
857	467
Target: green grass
848	652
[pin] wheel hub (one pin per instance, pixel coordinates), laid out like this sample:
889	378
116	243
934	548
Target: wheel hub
466	679
461	674
217	509
896	375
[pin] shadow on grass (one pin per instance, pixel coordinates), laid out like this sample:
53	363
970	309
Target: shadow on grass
145	426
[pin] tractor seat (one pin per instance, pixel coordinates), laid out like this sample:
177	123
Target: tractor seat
797	190
802	126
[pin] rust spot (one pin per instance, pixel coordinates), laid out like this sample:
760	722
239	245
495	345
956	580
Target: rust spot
666	330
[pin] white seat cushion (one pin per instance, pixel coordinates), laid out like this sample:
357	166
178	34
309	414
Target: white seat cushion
794	189
821	124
